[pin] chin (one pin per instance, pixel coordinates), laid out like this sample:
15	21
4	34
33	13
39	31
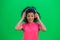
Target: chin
30	21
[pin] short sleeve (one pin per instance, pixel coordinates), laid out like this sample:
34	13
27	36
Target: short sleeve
23	26
39	26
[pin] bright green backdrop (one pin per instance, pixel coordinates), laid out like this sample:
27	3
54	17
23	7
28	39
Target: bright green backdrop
10	14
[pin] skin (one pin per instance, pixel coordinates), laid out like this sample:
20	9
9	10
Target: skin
30	18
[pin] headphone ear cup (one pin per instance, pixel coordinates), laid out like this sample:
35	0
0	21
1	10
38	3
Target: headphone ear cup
35	15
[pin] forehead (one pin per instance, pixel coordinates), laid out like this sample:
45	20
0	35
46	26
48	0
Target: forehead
31	13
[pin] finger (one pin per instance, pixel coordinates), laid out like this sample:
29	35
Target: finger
35	15
24	14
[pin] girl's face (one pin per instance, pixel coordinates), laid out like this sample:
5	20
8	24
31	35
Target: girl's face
30	17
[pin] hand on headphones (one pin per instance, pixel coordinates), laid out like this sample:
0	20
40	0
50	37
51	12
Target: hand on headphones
24	15
37	16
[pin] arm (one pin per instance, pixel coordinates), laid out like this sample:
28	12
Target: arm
19	25
43	28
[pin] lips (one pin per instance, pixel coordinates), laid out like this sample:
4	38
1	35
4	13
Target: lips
30	19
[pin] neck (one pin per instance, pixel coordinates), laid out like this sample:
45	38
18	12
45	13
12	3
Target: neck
30	22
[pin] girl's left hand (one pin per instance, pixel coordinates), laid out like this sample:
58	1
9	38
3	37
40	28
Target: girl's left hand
37	16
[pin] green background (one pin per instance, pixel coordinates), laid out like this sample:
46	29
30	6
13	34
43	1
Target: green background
10	14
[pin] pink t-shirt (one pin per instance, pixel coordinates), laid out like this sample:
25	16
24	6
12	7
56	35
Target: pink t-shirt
30	31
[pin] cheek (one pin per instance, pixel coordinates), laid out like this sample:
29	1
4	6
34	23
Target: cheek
32	17
28	18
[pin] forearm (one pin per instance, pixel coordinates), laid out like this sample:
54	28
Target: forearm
19	24
42	25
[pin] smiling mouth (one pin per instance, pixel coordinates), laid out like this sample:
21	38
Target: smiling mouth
30	19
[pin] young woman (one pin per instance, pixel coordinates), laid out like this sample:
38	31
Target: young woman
32	24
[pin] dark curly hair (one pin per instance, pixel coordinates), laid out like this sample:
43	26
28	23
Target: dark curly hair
28	10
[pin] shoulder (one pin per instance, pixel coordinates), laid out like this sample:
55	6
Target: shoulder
38	23
23	25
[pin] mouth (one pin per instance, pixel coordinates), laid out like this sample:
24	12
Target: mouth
30	19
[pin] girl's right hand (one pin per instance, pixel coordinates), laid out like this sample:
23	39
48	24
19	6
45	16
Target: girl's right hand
24	15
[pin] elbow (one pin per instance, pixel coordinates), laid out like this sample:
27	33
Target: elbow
44	29
16	28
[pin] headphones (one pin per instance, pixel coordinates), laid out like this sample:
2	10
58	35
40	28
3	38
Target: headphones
31	8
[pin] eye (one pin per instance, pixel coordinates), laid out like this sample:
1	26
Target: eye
28	16
32	16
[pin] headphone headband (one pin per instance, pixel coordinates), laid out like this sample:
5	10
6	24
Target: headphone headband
31	8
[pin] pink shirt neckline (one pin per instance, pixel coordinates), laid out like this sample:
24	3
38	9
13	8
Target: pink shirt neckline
31	23
30	31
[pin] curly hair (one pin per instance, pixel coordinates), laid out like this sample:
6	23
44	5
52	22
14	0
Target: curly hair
28	10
